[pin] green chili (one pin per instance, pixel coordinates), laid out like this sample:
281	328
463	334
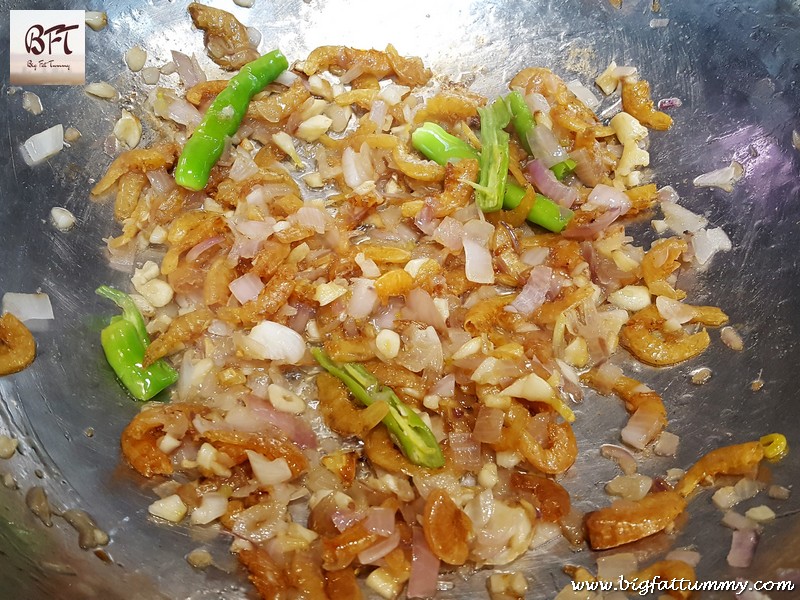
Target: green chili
124	342
544	212
222	119
491	184
439	146
521	117
564	168
407	429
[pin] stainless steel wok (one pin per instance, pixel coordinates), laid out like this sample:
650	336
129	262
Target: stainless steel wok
735	66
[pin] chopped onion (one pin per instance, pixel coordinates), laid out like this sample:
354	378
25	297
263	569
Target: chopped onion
188	69
723	178
466	451
624	458
201	247
488	425
737	521
243	167
27	307
641	428
449	233
170	508
421	308
707	242
212	506
368	266
743	548
161	182
534	293
286	78
356	167
667	444
379	549
363	298
424	567
680	219
537	103
583	94
616	566
540	175
545	148
380	520
667	103
378	113
478	265
345	518
273	341
445	387
672	310
631	487
247	287
32	103
310	216
41	146
731	338
778	492
690	557
181	111
269	472
535	256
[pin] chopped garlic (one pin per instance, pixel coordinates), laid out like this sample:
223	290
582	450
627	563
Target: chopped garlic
285	142
128	130
725	497
760	514
313	180
387	343
631	297
326	293
8	446
285	400
382	582
311	129
199	558
32	103
487	476
157	292
71	134
607	81
150	75
168	444
135	59
96	20
170	508
62	219
101	89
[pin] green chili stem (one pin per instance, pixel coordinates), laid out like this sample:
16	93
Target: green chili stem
222	119
407	429
564	168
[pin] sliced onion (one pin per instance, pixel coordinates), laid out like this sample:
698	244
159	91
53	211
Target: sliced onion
424	567
380	549
488	425
535	256
377	114
743	548
707	242
201	247
466	451
667	444
273	341
425	221
38	148
27	307
478	264
212	506
672	310
247	287
537	103
363	298
380	520
609	197
255	230
723	178
624	458
269	472
592	230
545	148
583	94
534	293
641	428
356	167
540	175
445	387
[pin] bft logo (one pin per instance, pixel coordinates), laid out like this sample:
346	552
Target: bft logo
57	35
48	47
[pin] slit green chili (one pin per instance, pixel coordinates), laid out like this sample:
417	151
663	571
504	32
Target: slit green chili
222	119
407	429
564	168
494	156
439	146
521	118
544	212
124	342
